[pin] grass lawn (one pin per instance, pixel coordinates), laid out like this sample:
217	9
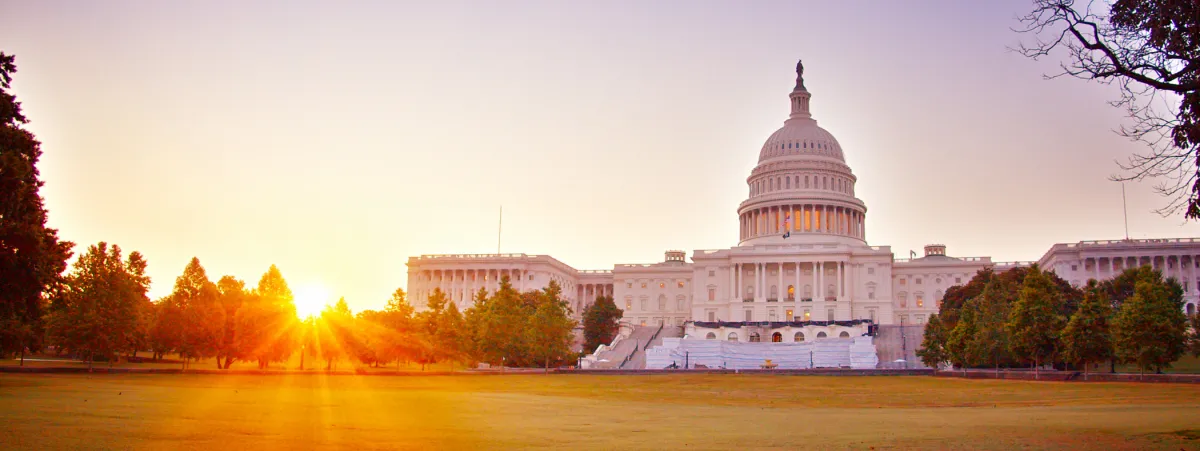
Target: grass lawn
49	411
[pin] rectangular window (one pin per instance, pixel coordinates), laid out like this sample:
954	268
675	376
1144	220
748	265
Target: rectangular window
771	315
712	294
871	315
712	317
830	314
871	271
903	319
790	315
902	282
643	284
920	319
680	283
807	315
958	280
712	273
918	281
749	315
629	285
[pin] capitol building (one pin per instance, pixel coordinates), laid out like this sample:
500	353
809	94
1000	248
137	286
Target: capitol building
802	268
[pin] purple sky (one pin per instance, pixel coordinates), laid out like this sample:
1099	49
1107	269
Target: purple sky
337	140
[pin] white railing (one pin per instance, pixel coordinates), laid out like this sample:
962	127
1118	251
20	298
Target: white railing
471	256
1014	263
1138	241
595	271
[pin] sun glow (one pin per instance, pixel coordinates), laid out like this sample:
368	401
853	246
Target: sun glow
311	299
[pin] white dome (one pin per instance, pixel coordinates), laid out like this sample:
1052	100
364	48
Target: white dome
801	190
799	137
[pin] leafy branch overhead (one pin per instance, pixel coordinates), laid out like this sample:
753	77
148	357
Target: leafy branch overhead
1150	49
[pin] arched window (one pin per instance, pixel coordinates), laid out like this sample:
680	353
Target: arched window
844	334
791	292
774	292
749	291
754	338
808	291
776	337
830	291
799	337
820	334
710	336
902	298
732	336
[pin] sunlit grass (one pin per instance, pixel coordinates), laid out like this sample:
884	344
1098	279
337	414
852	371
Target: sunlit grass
581	411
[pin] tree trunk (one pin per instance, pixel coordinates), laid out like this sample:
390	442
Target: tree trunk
1035	368
228	362
301	360
1085	371
22	356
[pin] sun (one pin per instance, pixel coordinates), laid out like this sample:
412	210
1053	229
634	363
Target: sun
311	299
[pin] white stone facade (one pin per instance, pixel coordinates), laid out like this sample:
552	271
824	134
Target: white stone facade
802	268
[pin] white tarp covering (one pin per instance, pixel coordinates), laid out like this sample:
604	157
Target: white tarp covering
823	353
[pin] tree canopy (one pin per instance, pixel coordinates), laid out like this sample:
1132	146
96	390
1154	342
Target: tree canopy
1150	50
32	258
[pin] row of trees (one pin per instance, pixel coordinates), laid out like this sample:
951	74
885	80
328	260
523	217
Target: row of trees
1028	316
101	310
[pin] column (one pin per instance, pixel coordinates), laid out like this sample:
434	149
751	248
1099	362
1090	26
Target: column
818	289
799	293
1096	268
754	291
782	293
757	281
815	276
841	267
737	290
732	280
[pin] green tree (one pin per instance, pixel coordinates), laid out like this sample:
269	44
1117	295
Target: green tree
98	311
1150	330
334	333
167	321
232	293
1086	339
933	345
601	323
428	349
989	345
497	325
32	258
203	318
451	337
1034	322
549	328
1150	49
266	323
959	339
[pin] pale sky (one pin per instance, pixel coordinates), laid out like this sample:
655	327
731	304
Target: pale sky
335	140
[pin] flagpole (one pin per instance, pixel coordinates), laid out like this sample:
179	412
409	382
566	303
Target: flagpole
499	228
1125	209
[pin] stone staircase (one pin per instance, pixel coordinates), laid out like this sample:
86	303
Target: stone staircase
638	360
628	347
895	342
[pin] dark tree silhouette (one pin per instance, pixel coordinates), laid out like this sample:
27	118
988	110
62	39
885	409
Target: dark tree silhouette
1151	50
